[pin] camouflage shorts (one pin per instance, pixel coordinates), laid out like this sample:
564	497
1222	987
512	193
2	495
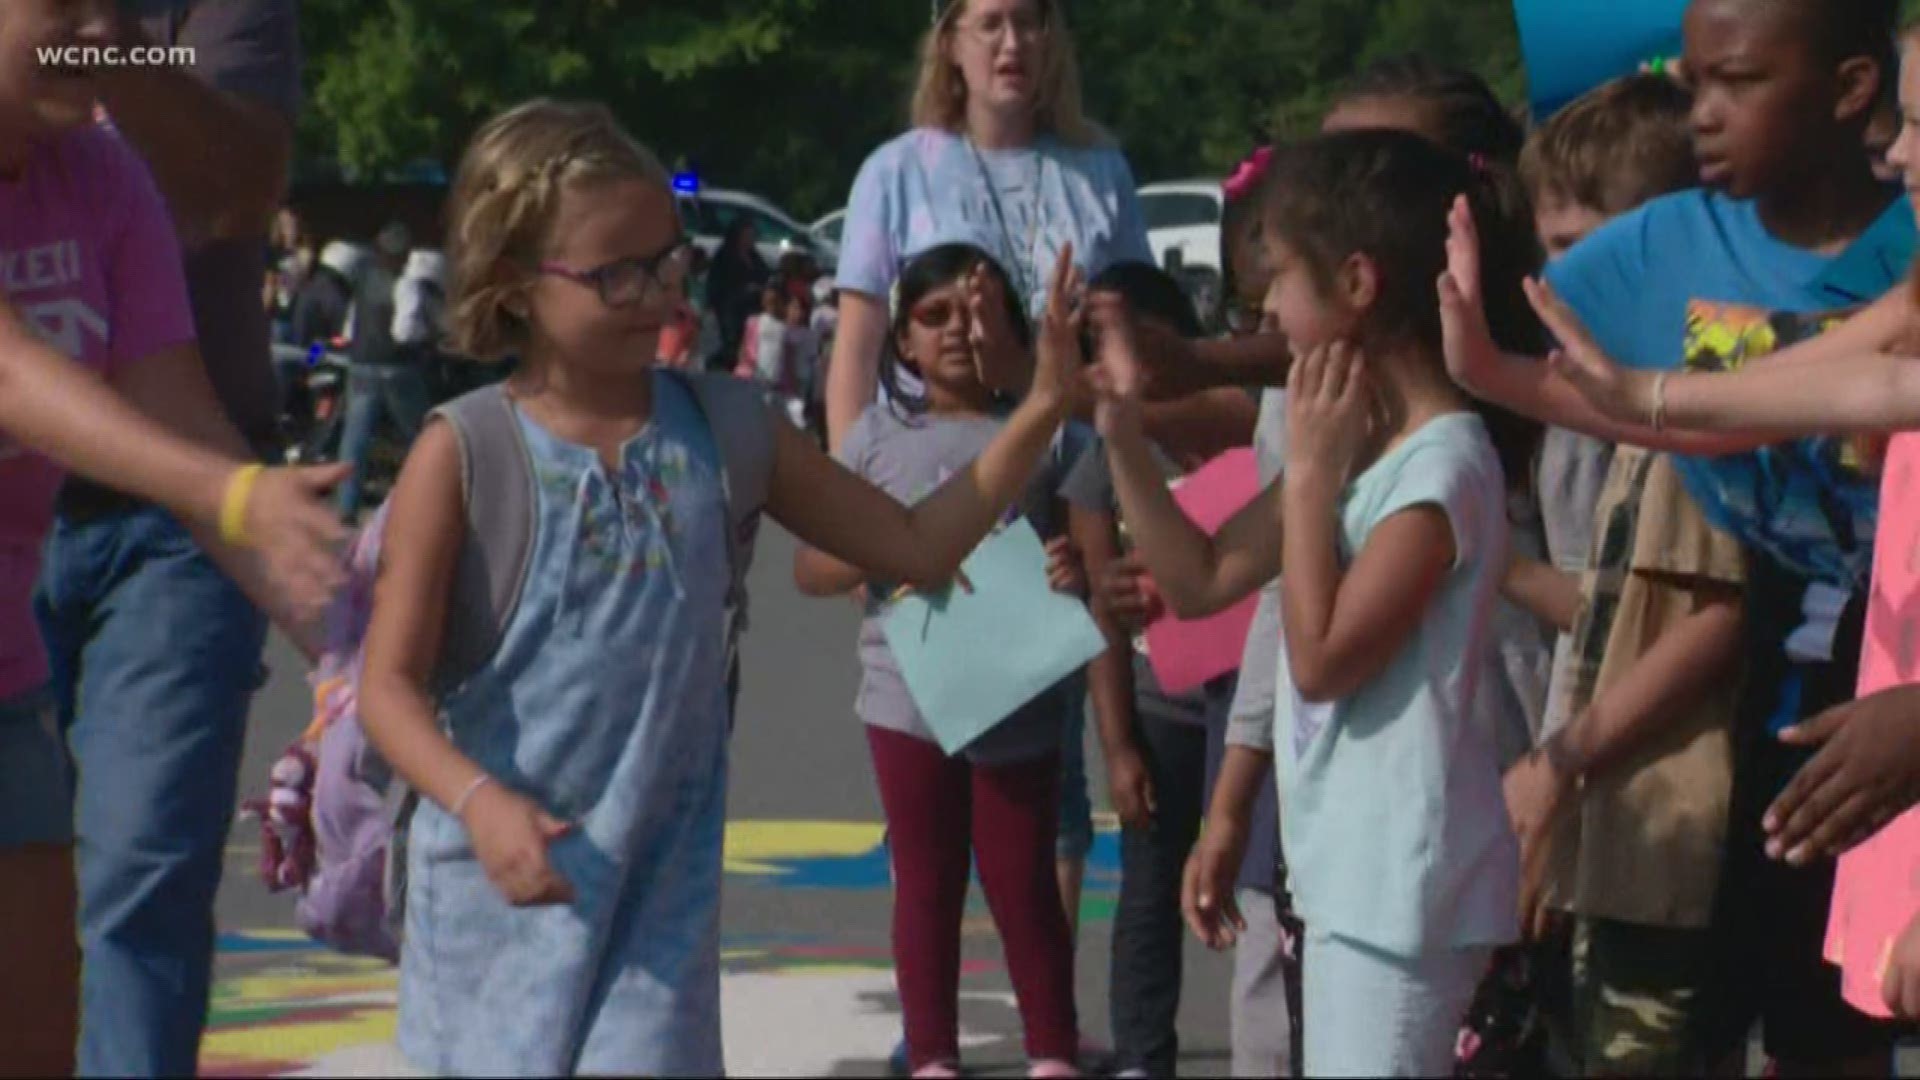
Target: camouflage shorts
1639	994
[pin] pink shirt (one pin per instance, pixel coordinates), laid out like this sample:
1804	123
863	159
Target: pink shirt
88	255
1877	887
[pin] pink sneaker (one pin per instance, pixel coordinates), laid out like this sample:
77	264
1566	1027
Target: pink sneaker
1054	1069
939	1070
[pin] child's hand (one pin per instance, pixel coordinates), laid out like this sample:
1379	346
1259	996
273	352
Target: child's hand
511	835
1613	390
1128	596
1534	791
1900	983
1003	366
1119	375
1060	362
1468	343
1206	892
1130	786
1866	773
1066	573
298	536
1329	417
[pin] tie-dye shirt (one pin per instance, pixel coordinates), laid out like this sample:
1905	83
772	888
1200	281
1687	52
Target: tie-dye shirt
929	187
88	256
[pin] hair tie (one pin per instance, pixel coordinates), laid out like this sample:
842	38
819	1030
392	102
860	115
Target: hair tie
1247	175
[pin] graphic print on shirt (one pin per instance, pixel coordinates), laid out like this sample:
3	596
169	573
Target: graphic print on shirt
64	322
1812	505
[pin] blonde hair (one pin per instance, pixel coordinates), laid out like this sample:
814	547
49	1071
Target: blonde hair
505	196
940	93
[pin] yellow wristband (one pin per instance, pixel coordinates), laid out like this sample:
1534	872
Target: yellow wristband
233	508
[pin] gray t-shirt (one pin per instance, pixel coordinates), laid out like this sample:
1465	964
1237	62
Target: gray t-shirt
251	49
909	458
1572	470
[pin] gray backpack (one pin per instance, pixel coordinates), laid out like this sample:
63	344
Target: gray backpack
496	480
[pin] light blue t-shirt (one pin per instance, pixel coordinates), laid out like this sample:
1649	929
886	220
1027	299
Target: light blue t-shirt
930	187
1392	817
1694	279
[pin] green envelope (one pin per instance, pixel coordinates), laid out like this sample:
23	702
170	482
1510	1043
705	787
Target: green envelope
971	658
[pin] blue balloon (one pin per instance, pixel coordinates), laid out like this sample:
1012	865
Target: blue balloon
1572	46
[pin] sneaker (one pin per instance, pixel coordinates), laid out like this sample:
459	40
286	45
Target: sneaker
1053	1069
1096	1059
939	1070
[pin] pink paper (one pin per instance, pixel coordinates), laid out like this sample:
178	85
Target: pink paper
1877	889
1188	655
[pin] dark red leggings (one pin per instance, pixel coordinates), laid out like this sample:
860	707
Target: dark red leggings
940	810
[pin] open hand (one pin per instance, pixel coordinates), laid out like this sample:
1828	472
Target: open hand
1866	773
1206	890
1614	391
1467	342
1002	364
511	835
1329	416
298	536
1119	375
1058	370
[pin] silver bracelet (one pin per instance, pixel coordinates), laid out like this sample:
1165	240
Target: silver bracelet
460	804
1659	417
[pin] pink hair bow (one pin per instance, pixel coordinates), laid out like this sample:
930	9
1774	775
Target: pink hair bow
1246	176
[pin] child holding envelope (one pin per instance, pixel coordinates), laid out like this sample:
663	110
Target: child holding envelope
996	802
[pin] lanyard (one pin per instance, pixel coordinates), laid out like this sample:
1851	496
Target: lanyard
1023	260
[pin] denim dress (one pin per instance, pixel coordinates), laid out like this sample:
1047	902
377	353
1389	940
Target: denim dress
606	704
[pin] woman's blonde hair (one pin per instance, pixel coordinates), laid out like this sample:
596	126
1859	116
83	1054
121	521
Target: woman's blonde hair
940	95
505	196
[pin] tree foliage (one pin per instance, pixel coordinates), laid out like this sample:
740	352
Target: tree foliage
786	97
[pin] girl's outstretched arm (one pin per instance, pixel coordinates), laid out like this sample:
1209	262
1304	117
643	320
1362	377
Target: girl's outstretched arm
826	506
1197	575
1343	627
1581	389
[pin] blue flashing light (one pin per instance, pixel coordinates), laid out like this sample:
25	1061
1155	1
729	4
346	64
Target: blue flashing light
686	183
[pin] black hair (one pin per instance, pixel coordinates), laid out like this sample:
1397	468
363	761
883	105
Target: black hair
1239	226
1468	115
1151	292
936	268
1843	29
1386	194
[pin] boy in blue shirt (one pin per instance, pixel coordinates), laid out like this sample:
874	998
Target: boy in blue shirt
1791	231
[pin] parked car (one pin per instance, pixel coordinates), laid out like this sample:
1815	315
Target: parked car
709	212
829	228
1183	232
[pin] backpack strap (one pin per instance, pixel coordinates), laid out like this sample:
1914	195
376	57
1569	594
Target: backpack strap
497	485
741	425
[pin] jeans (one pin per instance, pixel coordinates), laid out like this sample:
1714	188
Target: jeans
941	810
156	656
1147	929
396	392
1074	840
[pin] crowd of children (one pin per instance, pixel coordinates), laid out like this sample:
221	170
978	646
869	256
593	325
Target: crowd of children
1585	660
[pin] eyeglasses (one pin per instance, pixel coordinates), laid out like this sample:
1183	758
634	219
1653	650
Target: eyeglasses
635	280
935	314
1026	28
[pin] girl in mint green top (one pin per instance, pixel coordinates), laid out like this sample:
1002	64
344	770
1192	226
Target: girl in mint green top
1390	520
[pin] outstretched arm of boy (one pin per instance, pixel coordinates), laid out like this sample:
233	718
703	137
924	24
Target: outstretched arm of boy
418	557
1580	388
1195	574
1547	592
1682	666
825	505
1110	677
1206	891
1344	626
